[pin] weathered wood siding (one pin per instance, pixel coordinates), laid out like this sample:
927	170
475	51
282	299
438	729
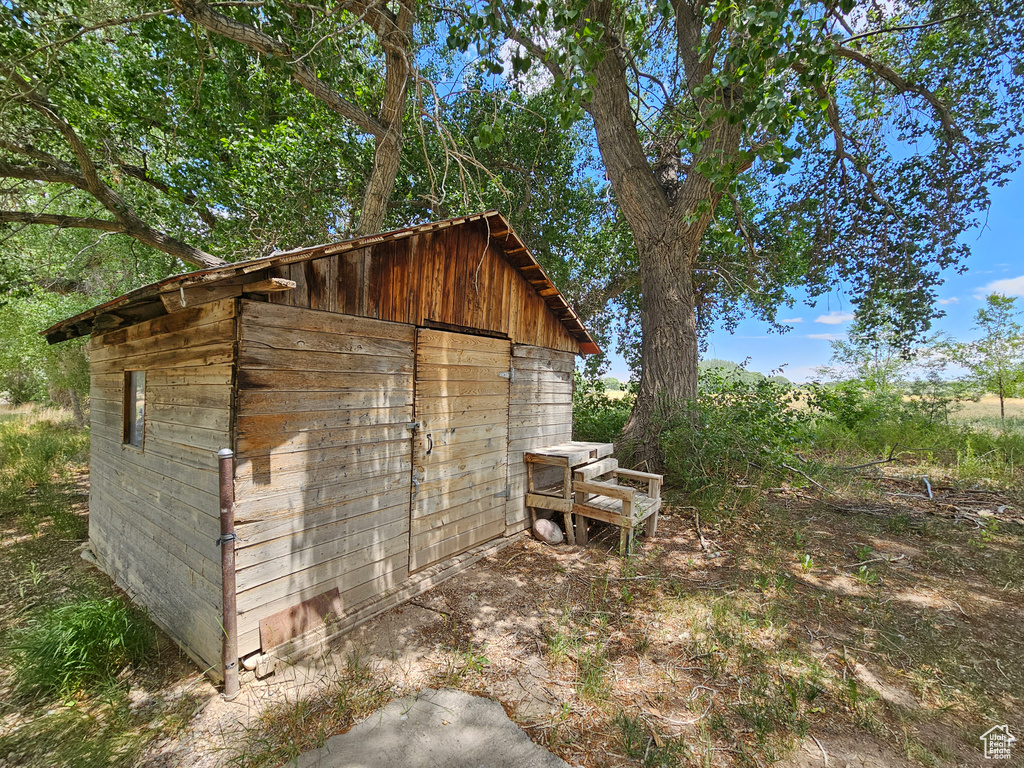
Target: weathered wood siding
324	455
461	447
540	414
453	277
153	513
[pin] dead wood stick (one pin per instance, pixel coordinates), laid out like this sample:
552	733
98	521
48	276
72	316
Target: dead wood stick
824	754
877	560
809	479
892	457
700	534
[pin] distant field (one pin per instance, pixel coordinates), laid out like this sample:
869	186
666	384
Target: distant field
988	407
984	414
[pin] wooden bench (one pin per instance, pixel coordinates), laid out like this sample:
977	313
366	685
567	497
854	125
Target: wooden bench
598	496
589	489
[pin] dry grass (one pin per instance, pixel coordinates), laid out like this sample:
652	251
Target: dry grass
891	636
878	627
988	408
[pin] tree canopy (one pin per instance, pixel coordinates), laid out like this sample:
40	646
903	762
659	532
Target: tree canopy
756	147
675	165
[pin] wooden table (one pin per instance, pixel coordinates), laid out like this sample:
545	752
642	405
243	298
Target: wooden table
590	490
567	457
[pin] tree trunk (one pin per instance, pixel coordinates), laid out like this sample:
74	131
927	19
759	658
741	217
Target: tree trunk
668	215
76	407
669	344
387	154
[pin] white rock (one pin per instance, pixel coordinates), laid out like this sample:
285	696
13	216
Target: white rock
548	531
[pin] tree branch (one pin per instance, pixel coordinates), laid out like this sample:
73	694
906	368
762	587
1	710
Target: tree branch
199	12
187	198
88	179
903	85
37	173
902	28
63	222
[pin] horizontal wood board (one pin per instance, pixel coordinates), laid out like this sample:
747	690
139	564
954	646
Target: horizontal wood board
153	512
323	470
535	422
460	450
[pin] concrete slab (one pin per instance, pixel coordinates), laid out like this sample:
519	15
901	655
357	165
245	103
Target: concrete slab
434	729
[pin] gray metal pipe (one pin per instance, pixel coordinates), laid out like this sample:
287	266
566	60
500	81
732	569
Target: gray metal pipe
229	641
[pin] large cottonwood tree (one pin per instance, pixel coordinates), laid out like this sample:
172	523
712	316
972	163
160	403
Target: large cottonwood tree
206	130
756	146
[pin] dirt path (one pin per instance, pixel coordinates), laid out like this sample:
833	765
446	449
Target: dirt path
802	633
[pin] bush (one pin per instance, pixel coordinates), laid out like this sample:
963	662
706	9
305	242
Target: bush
78	646
595	416
735	427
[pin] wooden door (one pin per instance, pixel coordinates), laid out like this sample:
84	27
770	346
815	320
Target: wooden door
460	449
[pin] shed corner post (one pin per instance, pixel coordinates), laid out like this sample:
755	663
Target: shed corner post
229	640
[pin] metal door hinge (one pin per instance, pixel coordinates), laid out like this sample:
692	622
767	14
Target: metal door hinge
503	494
510	375
414	425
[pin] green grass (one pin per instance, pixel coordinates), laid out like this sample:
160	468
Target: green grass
77	646
38	458
108	733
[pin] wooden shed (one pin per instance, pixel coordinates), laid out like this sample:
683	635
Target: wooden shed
378	395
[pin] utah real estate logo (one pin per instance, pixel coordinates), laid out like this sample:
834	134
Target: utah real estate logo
997	741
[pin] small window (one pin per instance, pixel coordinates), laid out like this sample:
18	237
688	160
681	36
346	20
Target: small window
134	406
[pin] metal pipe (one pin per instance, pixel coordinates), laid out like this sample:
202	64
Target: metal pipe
229	642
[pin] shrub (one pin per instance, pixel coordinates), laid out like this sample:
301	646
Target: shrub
734	427
597	417
36	461
78	646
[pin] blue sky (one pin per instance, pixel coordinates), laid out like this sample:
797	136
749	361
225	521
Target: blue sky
996	264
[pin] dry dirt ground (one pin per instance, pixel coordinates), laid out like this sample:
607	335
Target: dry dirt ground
796	635
885	632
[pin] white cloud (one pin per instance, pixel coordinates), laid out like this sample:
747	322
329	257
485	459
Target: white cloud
827	336
792	320
835	317
950	300
1013	286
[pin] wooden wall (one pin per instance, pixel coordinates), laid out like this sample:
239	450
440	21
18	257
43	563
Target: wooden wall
153	513
324	454
452	277
540	413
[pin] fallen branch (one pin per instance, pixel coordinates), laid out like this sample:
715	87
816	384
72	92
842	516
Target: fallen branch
877	560
700	534
824	754
809	479
892	457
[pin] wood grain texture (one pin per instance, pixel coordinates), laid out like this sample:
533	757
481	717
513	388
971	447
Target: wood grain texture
535	422
460	451
153	513
457	277
322	478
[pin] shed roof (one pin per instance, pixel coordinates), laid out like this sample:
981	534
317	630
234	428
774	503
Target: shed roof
145	303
